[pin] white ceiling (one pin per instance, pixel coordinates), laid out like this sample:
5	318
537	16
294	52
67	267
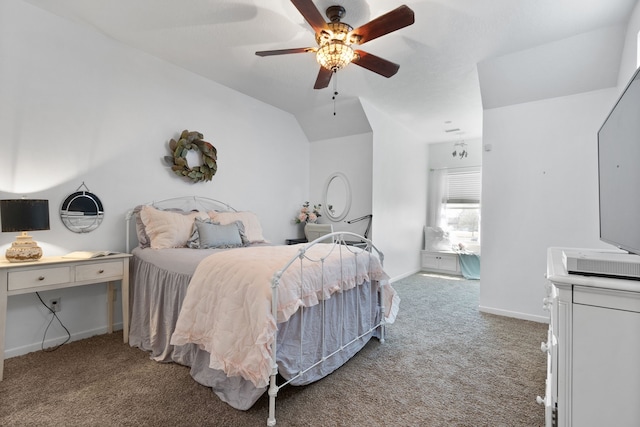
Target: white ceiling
437	87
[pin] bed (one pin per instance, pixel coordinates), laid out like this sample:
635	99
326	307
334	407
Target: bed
245	315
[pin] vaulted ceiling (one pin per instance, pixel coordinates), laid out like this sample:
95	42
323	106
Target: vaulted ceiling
458	57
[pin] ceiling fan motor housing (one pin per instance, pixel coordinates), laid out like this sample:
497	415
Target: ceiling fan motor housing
335	13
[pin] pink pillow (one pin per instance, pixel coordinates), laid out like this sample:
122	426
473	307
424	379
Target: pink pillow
168	229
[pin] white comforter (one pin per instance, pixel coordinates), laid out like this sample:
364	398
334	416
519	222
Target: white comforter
227	309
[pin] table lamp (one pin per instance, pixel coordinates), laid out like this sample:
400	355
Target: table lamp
24	215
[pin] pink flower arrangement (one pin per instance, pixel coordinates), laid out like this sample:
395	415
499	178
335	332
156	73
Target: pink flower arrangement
308	214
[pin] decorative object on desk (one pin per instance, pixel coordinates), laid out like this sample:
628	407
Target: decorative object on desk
82	211
308	214
24	215
178	161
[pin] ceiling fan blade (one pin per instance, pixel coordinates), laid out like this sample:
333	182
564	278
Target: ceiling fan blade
324	77
286	51
398	18
311	14
375	63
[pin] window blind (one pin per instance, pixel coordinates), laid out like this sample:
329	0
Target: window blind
464	186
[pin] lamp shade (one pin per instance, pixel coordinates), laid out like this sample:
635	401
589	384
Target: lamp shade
24	214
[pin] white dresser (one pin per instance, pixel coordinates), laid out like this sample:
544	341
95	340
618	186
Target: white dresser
593	347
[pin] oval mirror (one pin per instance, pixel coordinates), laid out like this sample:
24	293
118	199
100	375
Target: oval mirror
82	212
337	197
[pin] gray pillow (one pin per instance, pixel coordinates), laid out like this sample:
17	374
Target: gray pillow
208	234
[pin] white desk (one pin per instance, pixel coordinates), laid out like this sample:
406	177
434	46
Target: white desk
55	273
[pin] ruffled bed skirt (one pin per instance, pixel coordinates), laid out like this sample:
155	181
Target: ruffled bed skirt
157	295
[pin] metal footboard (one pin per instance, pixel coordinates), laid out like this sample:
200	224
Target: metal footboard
376	315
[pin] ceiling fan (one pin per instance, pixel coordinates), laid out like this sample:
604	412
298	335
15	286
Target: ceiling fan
335	39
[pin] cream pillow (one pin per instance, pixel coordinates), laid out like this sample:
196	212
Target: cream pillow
252	227
168	229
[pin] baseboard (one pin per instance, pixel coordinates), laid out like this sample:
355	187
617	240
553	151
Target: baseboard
52	342
404	276
515	314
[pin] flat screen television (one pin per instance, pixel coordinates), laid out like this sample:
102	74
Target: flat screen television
619	171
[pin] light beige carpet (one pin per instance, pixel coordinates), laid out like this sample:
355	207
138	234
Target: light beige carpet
443	364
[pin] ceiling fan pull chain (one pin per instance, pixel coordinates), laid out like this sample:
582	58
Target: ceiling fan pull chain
335	90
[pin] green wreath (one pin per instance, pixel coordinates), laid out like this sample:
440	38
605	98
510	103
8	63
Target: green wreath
180	148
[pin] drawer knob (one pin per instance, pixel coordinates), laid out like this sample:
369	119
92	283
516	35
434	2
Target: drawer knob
544	347
100	271
41	278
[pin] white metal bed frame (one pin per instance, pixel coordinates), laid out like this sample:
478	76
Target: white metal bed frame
339	239
340	244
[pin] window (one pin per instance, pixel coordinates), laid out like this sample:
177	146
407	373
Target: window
456	196
463	223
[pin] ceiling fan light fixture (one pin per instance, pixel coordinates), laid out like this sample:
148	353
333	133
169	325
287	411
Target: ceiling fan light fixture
334	55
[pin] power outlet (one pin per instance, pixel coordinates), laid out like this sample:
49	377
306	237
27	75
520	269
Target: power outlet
54	303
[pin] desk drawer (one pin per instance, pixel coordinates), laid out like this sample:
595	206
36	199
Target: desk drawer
98	270
607	298
40	277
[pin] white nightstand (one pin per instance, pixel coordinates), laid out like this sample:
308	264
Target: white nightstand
55	273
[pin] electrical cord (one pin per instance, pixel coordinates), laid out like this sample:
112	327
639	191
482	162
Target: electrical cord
54	315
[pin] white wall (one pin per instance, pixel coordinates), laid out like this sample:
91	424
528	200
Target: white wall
400	181
388	174
351	156
539	189
78	107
